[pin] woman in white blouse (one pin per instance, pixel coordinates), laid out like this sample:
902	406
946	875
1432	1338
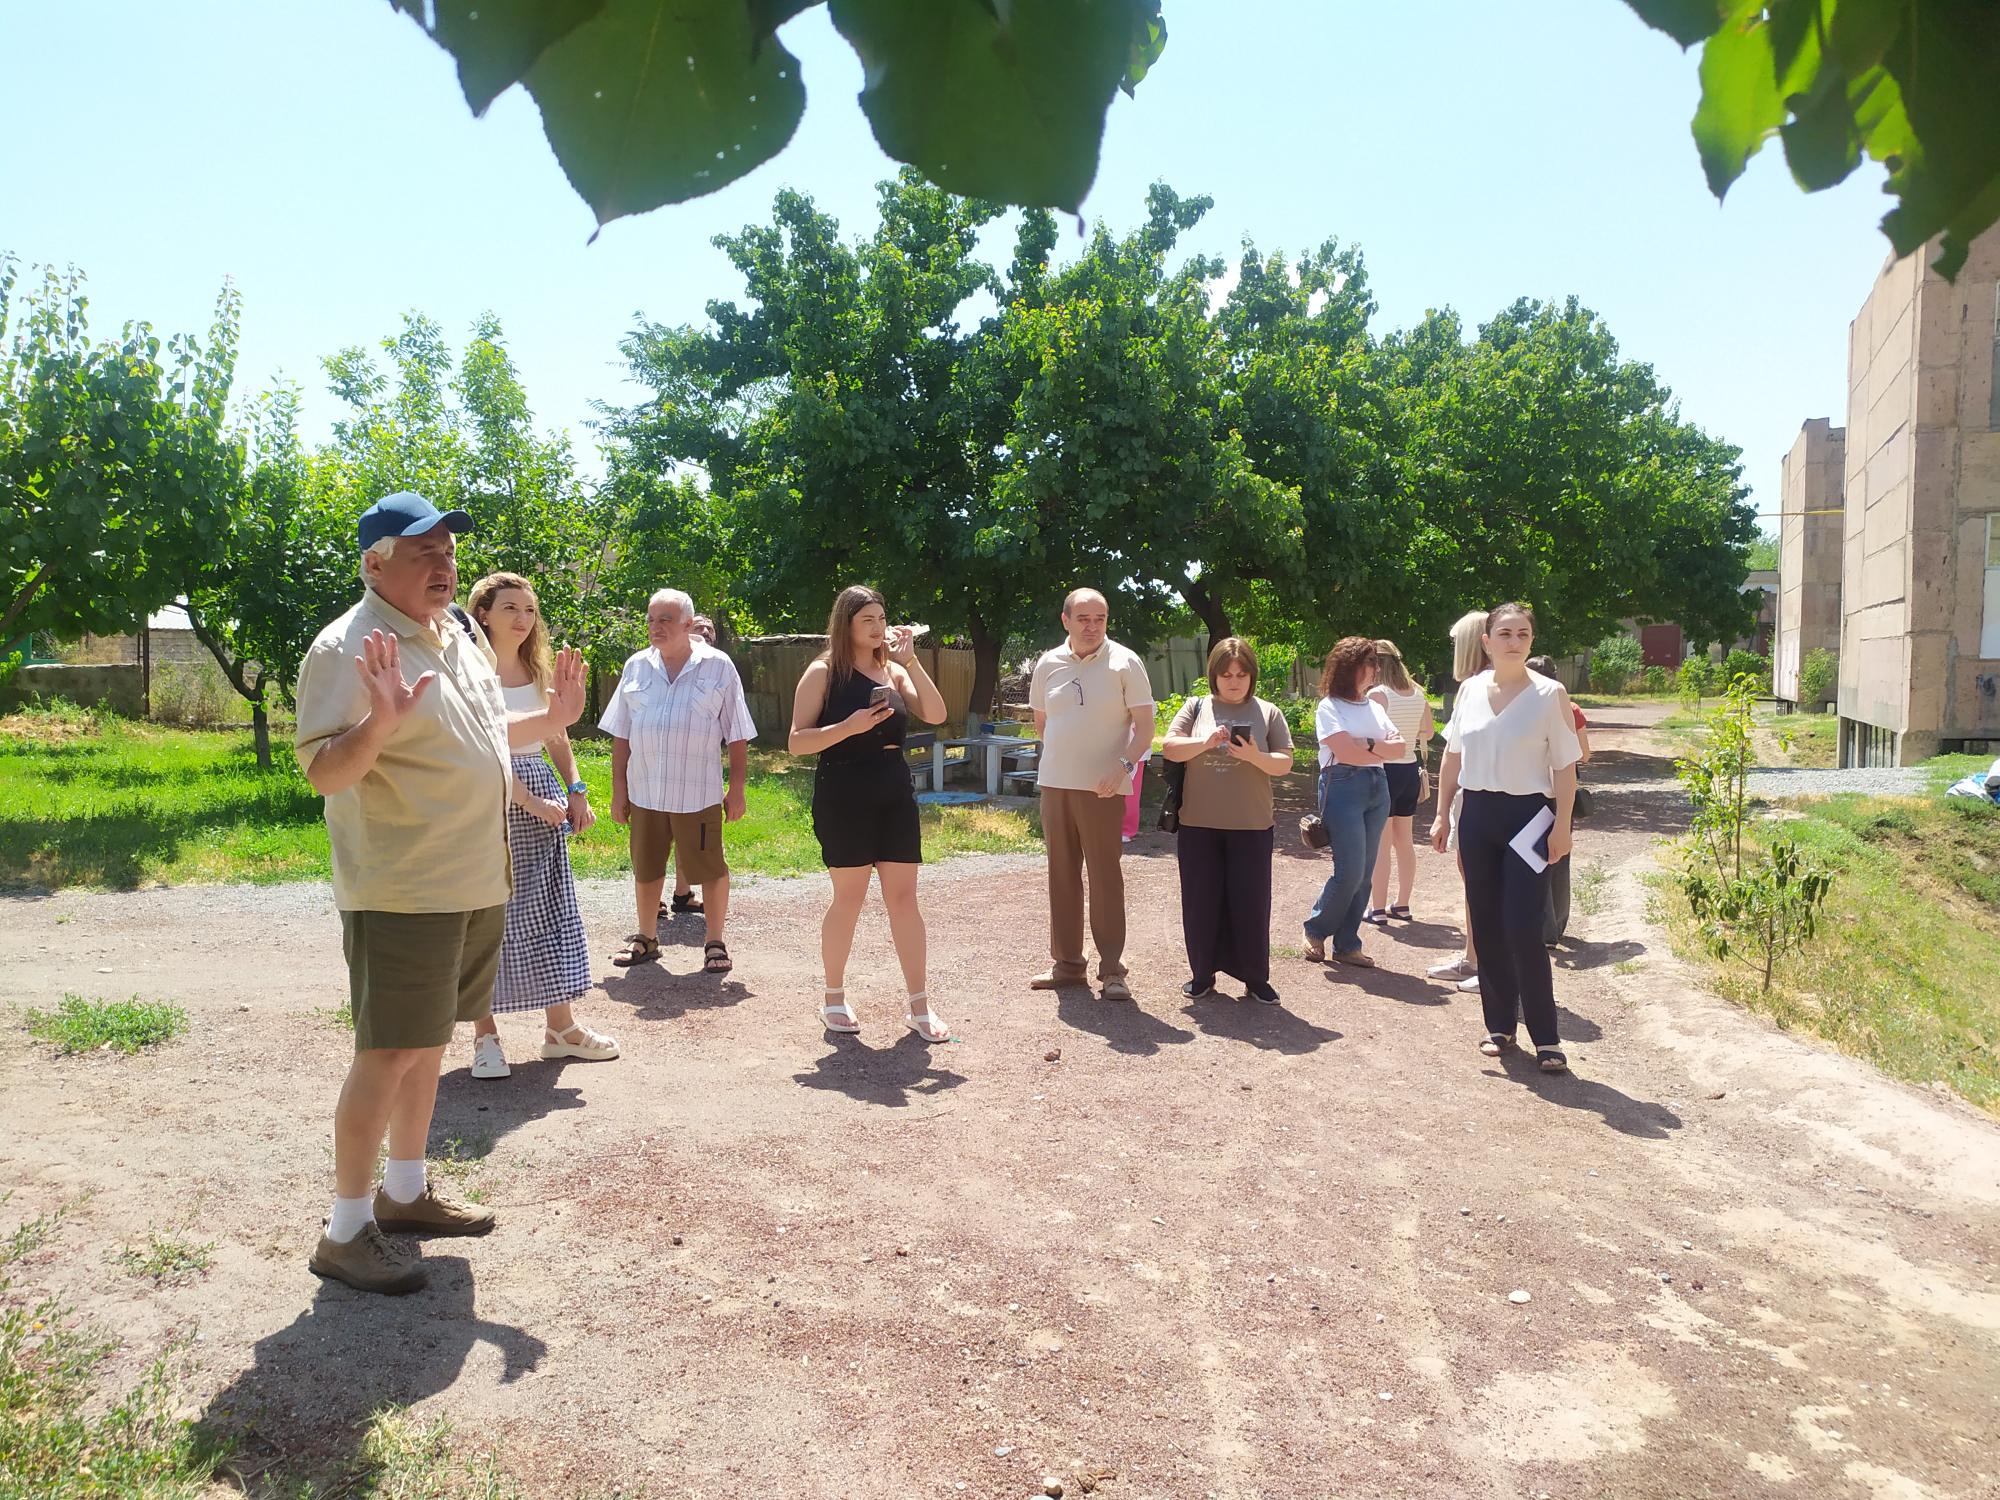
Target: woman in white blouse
1511	748
1356	740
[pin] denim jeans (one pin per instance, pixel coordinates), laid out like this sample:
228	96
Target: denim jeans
1353	804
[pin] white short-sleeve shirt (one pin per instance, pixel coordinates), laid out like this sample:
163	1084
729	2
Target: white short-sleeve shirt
1088	703
1519	749
677	727
1366	720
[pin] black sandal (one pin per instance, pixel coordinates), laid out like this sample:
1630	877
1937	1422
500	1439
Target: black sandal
685	903
638	949
1551	1060
715	957
1495	1044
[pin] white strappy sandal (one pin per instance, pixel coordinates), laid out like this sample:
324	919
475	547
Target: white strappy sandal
926	1021
840	1008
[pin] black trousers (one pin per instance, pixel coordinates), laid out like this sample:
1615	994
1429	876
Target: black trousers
1507	899
1226	901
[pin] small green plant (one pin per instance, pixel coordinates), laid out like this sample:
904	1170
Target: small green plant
1757	910
339	1017
459	1160
1627	966
1614	662
1817	675
165	1260
1691	683
1587	894
1657	679
128	1026
1741	663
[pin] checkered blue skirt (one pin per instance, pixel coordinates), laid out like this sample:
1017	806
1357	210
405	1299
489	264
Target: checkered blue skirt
543	960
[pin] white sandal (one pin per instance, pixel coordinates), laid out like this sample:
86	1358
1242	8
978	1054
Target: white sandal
839	1008
589	1046
924	1022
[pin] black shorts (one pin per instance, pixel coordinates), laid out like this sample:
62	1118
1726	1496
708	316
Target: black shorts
1405	782
865	813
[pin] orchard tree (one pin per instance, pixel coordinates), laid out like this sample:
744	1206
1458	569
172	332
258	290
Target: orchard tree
117	476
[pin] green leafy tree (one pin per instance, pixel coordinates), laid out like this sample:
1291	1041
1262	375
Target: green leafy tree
1614	662
117	476
1817	675
1763	554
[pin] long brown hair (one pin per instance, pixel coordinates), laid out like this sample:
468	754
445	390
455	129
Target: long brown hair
1341	676
1389	662
1233	650
536	654
839	654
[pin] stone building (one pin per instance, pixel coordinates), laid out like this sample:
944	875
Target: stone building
1809	531
1920	568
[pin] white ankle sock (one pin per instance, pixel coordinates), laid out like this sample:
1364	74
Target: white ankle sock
349	1217
403	1180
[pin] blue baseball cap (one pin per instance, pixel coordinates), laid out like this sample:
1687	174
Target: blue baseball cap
407	513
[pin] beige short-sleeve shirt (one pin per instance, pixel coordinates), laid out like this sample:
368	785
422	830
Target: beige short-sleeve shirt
426	829
1088	701
1221	791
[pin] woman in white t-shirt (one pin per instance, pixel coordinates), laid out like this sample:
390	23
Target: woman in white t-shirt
1511	748
1355	740
1410	711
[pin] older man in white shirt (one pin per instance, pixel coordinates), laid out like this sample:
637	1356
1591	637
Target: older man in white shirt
677	703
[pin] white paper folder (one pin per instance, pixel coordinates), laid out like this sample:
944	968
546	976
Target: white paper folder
1523	843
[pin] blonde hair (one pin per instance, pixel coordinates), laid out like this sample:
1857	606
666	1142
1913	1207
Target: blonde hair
535	652
1468	653
1389	661
839	653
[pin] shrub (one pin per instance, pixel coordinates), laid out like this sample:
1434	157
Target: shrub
1614	662
1817	675
1657	680
193	695
1742	663
1274	668
1691	682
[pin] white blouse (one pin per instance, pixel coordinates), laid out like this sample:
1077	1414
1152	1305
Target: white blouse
1519	749
1366	720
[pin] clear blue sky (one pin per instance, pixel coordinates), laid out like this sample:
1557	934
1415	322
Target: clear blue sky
319	152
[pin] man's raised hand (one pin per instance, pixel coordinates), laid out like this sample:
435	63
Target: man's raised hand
380	667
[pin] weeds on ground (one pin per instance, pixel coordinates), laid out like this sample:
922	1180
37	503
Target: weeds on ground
1587	891
406	1457
56	1441
338	1017
457	1162
167	1260
128	1026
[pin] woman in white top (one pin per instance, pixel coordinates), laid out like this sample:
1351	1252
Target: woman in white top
1511	747
543	962
1355	740
1410	711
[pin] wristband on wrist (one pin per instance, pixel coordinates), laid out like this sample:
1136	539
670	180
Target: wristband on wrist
578	789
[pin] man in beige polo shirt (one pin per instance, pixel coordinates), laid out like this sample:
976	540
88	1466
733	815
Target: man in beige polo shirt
402	728
1093	709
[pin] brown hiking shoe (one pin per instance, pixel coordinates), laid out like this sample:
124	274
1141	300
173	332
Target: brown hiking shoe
370	1262
434	1213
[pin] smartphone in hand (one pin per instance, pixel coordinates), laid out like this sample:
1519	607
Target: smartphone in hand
878	696
1239	734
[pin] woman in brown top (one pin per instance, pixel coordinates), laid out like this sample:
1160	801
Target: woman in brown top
1233	744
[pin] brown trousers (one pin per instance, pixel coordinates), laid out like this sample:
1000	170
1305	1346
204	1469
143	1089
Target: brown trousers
1080	831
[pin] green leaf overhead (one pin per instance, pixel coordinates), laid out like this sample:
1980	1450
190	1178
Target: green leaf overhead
659	101
1001	100
1740	103
495	42
1686	21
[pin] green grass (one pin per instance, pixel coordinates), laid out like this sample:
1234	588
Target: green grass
1905	970
1587	890
165	1260
128	1026
100	802
1814	739
59	1438
457	1163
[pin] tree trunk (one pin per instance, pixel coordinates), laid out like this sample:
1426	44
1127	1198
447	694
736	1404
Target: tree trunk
260	726
1208	609
985	669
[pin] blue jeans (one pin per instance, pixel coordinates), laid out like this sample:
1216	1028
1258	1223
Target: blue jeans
1353	804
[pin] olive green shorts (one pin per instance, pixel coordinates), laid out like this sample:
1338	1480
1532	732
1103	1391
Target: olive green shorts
413	976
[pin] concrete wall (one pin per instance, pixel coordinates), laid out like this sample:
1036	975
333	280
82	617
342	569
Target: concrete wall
117	686
1809	538
1922	472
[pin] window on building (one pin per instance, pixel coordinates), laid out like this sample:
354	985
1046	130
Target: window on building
1993	391
1989	621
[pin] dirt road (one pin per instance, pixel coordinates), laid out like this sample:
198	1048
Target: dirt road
1217	1248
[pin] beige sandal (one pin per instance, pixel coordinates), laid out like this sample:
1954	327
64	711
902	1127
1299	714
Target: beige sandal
925	1021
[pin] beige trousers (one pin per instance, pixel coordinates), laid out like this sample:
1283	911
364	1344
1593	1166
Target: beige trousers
1080	831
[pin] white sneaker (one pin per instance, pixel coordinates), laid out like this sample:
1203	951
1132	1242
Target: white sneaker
590	1046
1470	986
488	1061
1458	968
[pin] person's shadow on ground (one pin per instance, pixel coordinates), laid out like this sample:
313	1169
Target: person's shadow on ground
1123	1024
1270	1028
655	993
1623	1113
302	1410
478	1113
893	1076
1389	985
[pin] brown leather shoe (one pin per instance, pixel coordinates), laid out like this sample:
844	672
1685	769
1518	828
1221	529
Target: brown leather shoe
1355	960
370	1262
434	1213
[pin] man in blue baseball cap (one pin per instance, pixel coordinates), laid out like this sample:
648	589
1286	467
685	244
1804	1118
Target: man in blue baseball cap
403	729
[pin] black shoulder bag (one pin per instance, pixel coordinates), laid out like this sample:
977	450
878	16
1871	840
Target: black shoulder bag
1174	774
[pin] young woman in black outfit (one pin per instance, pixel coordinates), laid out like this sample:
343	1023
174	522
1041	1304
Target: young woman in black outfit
851	709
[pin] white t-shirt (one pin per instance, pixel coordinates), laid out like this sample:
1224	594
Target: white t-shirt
526	699
1088	703
1519	750
1364	720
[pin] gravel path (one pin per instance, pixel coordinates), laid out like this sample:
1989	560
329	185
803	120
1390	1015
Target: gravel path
1879	781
